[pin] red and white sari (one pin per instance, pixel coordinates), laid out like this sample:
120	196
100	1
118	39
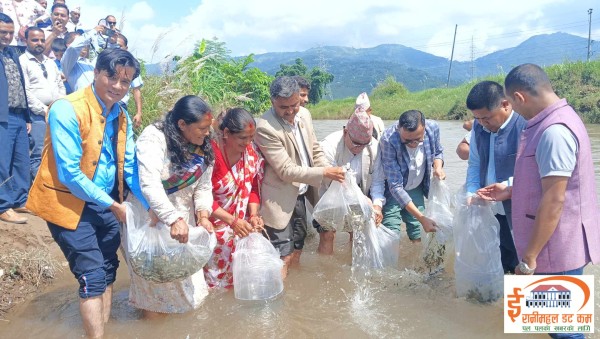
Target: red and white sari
233	189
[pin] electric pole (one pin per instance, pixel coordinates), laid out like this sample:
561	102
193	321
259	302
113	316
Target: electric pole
451	56
472	58
590	36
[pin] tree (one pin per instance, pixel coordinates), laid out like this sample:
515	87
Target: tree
222	80
318	78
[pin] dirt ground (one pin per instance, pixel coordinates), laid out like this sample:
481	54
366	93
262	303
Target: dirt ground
29	260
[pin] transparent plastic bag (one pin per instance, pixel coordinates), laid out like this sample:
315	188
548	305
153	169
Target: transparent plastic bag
478	267
155	256
342	204
439	210
256	269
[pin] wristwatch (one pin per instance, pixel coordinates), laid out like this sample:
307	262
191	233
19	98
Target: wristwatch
523	267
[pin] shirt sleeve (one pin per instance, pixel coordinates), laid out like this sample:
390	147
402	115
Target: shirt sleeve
131	170
71	55
66	145
556	154
473	170
378	183
203	199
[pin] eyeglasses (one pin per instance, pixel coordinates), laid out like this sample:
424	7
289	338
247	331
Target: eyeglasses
111	23
412	141
44	70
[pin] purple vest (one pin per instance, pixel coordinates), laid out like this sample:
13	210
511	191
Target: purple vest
576	240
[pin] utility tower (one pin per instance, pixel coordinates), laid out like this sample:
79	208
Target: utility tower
589	54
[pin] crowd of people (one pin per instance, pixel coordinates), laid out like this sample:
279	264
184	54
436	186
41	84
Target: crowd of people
69	156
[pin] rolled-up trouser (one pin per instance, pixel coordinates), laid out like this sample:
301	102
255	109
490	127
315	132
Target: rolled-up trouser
393	214
91	249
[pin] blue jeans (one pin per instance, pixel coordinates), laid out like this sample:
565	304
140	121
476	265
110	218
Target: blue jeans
15	176
36	142
577	271
91	249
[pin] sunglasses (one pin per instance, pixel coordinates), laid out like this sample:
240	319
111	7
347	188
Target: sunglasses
44	70
111	23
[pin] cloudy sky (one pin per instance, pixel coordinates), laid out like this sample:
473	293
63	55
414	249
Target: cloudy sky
158	30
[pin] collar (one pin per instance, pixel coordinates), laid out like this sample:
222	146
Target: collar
503	125
32	57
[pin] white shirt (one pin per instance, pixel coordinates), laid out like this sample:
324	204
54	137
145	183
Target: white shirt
303	152
416	168
41	90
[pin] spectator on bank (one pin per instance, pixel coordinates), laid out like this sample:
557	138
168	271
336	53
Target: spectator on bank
58	48
74	24
15	124
136	86
304	89
43	85
24	14
59	16
44	20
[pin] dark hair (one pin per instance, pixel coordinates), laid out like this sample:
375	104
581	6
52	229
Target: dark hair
283	87
302	82
110	58
190	109
410	120
527	77
119	35
486	94
59	5
70	36
108	16
236	120
6	19
59	45
31	29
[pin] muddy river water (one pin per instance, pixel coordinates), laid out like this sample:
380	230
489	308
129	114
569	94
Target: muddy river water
320	299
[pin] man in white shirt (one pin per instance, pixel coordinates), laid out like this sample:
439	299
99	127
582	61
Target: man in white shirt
355	145
43	85
74	24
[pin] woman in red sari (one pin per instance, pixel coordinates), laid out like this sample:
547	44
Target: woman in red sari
236	179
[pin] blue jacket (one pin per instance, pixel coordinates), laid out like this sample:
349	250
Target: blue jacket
13	54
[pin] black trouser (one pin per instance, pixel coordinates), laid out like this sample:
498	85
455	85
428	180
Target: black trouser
508	251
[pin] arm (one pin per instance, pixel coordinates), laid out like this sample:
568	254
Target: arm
71	55
203	199
473	179
438	156
151	151
57	29
137	98
393	172
66	145
547	216
378	188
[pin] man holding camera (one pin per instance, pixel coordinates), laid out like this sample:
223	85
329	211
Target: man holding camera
59	17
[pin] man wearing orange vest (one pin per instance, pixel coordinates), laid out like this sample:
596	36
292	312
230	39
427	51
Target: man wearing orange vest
88	162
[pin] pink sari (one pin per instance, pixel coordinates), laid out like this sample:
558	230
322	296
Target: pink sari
233	189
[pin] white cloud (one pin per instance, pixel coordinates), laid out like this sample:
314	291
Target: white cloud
257	26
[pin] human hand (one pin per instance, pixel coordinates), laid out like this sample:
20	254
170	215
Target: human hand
137	120
334	173
28	127
153	218
531	263
119	211
428	224
257	222
378	214
204	222
241	227
58	27
495	192
439	173
180	230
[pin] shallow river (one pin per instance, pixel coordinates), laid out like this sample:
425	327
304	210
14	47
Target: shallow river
320	298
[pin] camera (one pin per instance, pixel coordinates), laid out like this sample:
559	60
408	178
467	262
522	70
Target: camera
109	32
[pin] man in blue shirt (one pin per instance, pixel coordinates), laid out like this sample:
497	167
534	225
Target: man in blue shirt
410	152
492	154
87	161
